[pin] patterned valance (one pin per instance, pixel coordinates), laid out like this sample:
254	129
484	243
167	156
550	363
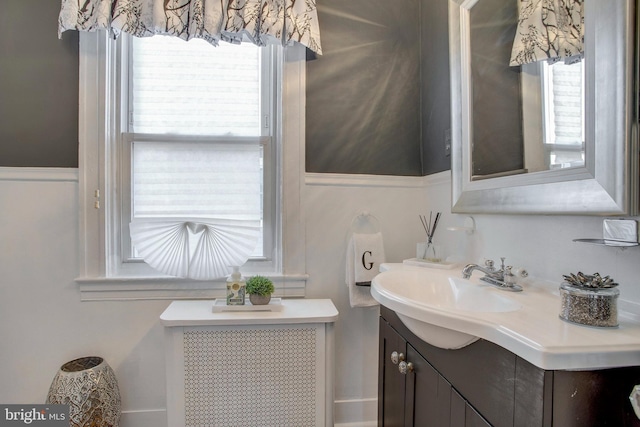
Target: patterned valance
548	30
213	20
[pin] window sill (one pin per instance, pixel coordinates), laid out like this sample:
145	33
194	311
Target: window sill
169	288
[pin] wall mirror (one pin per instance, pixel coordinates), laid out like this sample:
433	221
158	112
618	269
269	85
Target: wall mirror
511	153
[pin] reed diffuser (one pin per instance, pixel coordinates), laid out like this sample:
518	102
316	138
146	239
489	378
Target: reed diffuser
430	251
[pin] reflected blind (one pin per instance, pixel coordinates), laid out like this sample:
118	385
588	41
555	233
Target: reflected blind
568	102
564	114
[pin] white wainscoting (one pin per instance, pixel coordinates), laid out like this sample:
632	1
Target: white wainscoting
144	418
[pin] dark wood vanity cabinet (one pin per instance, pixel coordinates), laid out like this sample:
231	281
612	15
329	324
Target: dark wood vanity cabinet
485	385
432	401
421	396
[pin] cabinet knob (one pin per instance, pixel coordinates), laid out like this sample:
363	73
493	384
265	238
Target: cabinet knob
405	367
397	357
635	400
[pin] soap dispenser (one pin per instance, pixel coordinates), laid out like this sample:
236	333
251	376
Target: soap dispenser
235	287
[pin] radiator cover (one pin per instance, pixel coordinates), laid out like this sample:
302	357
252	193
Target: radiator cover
251	377
250	368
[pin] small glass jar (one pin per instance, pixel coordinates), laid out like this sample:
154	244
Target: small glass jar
589	306
429	252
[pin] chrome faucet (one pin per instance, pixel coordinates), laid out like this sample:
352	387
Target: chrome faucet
502	278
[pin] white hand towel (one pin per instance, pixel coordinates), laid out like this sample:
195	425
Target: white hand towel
365	253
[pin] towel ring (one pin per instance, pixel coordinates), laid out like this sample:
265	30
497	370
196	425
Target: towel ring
365	223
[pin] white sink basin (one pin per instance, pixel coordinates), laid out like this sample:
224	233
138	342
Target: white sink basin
424	299
449	312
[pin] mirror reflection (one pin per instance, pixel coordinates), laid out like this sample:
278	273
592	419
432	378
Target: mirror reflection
553	138
527	117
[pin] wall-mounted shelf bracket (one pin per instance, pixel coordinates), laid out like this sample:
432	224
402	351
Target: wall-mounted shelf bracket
469	226
621	233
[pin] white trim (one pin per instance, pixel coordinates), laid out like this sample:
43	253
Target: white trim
356	412
355	180
38	174
163	288
440	178
144	418
358	424
291	178
91	134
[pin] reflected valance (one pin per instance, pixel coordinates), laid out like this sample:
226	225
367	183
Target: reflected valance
548	30
285	21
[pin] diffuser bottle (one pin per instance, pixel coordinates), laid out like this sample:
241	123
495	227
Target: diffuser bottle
235	288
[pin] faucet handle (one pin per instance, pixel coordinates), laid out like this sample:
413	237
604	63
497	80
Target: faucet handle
489	264
520	272
509	278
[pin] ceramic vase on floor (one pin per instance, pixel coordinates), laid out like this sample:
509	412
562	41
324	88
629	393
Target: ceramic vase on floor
89	386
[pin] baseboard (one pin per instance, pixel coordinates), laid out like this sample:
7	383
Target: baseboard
356	413
347	413
144	418
361	424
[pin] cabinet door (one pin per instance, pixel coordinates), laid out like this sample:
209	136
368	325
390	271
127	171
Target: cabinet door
594	398
428	394
418	396
463	414
391	383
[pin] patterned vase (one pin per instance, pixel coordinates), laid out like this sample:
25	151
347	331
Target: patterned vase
259	299
89	386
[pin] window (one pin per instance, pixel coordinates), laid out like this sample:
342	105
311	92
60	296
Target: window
198	130
174	129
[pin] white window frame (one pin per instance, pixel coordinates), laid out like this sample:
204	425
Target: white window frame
120	263
101	274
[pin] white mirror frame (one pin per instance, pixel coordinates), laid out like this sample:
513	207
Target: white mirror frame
608	183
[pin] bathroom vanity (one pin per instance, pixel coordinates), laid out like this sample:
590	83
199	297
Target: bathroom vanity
483	384
461	352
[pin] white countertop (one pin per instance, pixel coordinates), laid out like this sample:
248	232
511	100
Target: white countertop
535	332
200	313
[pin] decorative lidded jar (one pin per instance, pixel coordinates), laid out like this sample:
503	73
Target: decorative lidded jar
589	300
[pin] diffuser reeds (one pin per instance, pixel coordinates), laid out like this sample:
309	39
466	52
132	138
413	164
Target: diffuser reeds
429	226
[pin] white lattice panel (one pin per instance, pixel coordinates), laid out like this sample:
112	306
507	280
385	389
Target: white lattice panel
255	377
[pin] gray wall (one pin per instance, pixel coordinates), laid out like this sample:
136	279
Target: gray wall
435	86
378	98
375	103
363	93
498	142
38	86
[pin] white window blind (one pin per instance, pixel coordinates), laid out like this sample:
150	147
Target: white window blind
193	179
193	88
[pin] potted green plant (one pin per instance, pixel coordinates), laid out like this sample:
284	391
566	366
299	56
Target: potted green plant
259	289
